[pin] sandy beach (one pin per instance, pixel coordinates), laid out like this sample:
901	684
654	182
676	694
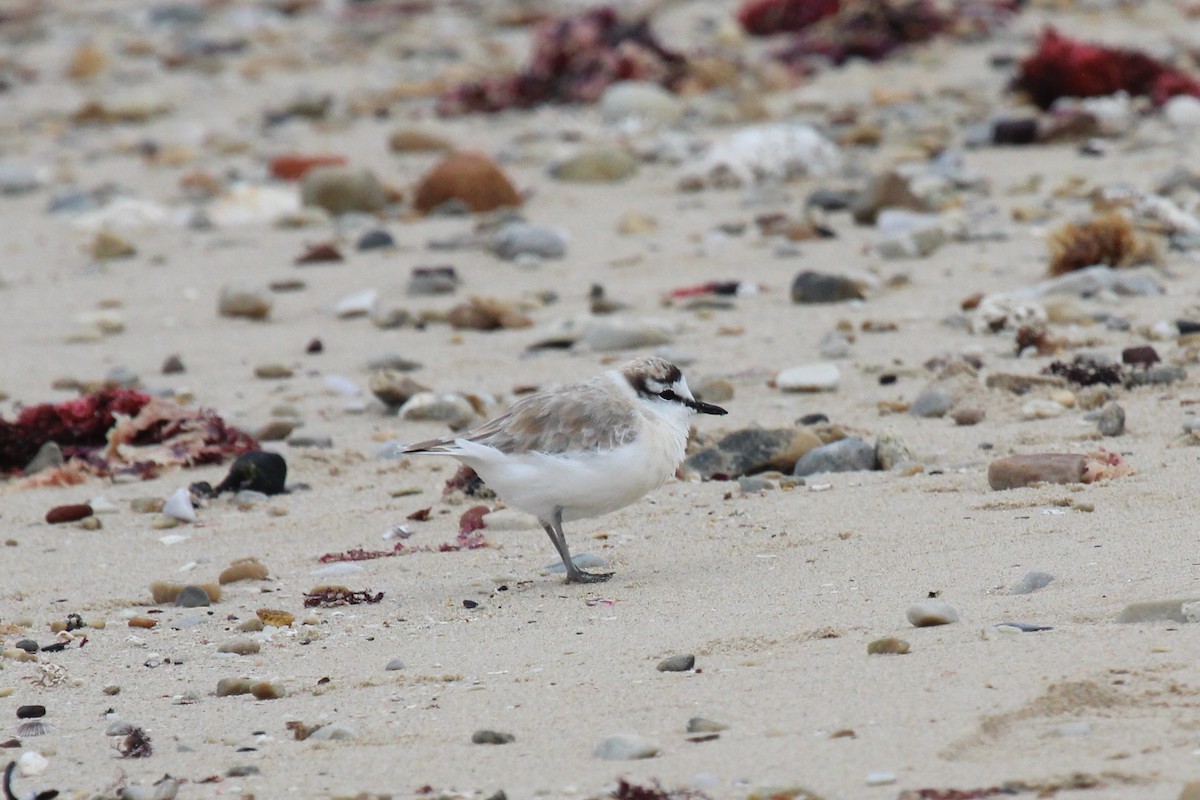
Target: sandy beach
775	583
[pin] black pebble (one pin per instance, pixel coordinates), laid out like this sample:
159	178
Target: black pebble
30	712
259	471
315	346
813	419
376	240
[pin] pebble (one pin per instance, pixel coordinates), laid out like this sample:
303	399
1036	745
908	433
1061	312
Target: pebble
968	416
393	388
1157	375
683	662
1031	582
765	154
357	304
376	239
192	597
342	189
18	178
430	281
1013	472
931	403
243	300
389	311
889	646
931	612
449	407
242	646
816	287
258	470
273	372
31	764
228	687
172	365
1041	409
333	732
108	246
753	450
244	569
633	223
267	690
834	344
1184	610
519	239
713	390
612	333
394	665
880	778
469	179
1111	421
413	140
601	164
486	736
625	747
845	455
1182	111
243	771
68	513
819	377
644	102
179	505
702	725
313	441
274	431
891	451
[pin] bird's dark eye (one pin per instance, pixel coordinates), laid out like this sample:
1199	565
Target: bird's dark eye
667	394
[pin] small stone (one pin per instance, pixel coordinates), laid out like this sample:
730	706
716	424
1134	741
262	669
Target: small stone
1022	470
228	687
967	416
1157	375
678	663
412	140
1111	421
931	403
245	569
19	178
266	690
68	513
888	190
928	613
611	333
1183	611
492	737
601	164
243	770
339	190
333	732
356	304
753	450
162	522
891	646
273	372
393	388
28	645
518	239
241	300
274	431
252	625
389	311
241	646
1041	409
834	344
625	747
633	223
890	450
192	597
428	281
376	239
819	377
172	365
816	287
275	617
108	246
394	665
645	102
179	505
845	455
472	179
702	725
880	778
453	409
1031	582
259	471
713	390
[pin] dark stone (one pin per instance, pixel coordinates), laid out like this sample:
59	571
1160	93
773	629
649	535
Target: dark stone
1021	130
1187	326
814	419
31	712
193	597
679	663
492	737
376	240
259	471
1145	355
816	287
831	199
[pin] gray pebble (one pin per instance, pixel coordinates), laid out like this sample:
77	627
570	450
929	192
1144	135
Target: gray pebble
756	483
518	239
193	597
242	771
1183	610
377	239
1031	582
486	736
320	442
846	455
242	646
1112	420
394	664
702	725
816	287
28	645
931	612
237	300
625	747
891	451
19	178
680	663
931	403
333	732
1159	374
834	345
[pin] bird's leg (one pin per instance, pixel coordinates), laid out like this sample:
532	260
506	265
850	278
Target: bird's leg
574	574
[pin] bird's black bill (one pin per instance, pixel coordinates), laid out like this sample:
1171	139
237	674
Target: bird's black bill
706	408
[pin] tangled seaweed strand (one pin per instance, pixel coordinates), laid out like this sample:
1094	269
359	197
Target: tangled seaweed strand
330	596
1066	67
9	794
1086	373
574	60
135	744
632	791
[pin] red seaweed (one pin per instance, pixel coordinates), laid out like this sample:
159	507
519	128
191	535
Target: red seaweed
1066	67
573	60
765	17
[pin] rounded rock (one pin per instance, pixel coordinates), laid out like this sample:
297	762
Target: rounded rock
492	737
819	377
342	189
596	165
845	455
1111	421
473	179
643	101
815	287
625	747
928	613
931	403
241	300
192	597
517	239
683	662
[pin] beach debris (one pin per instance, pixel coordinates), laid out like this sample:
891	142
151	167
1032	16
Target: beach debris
135	744
320	253
331	596
1013	472
573	60
1066	67
1109	239
1087	371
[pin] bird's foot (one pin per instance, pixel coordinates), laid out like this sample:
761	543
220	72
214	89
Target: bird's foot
579	576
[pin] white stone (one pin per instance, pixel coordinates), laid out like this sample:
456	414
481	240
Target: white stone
767	153
880	778
640	101
342	385
510	519
931	612
179	506
102	505
1041	409
358	304
818	377
31	764
251	204
625	747
1183	111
